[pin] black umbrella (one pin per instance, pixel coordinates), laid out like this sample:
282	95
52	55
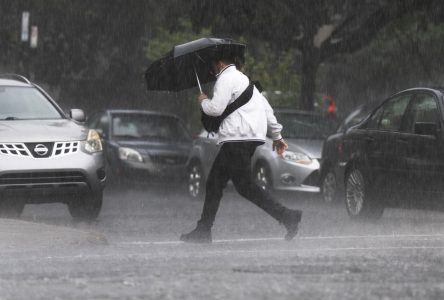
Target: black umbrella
189	65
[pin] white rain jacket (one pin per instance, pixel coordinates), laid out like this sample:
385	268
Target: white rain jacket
249	122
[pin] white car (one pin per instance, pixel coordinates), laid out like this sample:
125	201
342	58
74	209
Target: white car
297	170
45	155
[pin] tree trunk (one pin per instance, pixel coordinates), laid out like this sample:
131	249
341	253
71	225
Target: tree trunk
310	64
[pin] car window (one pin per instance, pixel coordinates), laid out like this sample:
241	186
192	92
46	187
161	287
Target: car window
423	109
25	103
375	118
145	126
355	117
389	116
301	126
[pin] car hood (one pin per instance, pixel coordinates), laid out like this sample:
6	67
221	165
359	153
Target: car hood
153	147
33	131
312	148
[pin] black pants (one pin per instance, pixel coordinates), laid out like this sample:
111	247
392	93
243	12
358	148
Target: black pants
234	162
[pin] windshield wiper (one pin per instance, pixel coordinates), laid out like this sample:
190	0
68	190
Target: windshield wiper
11	118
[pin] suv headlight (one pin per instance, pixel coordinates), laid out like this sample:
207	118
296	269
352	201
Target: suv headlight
129	154
93	143
297	157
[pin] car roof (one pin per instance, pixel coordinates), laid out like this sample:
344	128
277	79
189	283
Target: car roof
12	82
439	90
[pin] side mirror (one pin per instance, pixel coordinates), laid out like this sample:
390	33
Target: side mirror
426	128
77	115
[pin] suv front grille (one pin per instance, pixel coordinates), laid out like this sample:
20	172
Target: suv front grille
63	148
42	178
17	149
29	149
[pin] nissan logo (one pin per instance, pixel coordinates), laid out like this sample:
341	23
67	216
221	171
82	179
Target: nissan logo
41	150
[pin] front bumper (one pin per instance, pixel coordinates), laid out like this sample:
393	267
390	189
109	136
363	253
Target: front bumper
291	176
53	179
145	172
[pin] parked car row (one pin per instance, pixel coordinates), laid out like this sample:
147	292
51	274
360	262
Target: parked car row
68	160
384	154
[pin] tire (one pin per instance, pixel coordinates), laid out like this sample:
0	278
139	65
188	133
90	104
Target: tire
329	187
11	208
86	208
262	177
360	199
196	181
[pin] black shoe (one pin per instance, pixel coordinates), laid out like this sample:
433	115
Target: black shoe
200	234
291	221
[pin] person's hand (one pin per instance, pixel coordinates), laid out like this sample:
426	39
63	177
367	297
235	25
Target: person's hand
202	97
280	146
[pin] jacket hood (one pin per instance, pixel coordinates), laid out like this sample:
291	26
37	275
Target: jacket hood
34	131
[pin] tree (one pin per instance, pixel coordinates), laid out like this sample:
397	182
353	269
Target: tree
92	51
315	29
405	54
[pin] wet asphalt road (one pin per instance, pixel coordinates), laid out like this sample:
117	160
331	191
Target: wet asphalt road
399	256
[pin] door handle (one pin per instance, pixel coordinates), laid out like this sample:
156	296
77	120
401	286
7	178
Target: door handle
369	139
402	141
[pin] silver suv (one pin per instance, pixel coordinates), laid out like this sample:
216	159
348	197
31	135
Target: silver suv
45	155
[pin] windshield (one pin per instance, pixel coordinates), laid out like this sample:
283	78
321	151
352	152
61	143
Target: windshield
301	126
145	126
356	116
25	103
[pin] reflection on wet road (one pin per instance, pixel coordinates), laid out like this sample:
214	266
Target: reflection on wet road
399	256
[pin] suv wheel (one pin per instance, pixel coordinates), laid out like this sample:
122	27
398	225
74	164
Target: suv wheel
262	177
196	182
86	208
360	200
329	189
11	207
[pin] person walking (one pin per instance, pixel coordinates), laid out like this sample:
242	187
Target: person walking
240	133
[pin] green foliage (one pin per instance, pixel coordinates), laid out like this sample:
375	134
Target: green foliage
407	53
273	68
165	39
276	72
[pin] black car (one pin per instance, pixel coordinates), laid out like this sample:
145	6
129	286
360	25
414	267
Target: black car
143	146
395	158
331	188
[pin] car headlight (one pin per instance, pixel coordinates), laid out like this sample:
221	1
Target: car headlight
297	157
93	143
129	154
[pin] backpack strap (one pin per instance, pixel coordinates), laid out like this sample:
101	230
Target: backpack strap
241	100
212	124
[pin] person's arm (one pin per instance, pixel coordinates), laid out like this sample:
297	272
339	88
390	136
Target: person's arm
221	98
274	128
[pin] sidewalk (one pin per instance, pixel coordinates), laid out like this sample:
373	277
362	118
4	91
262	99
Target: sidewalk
24	235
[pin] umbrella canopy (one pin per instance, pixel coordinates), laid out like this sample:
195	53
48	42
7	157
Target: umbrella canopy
178	69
